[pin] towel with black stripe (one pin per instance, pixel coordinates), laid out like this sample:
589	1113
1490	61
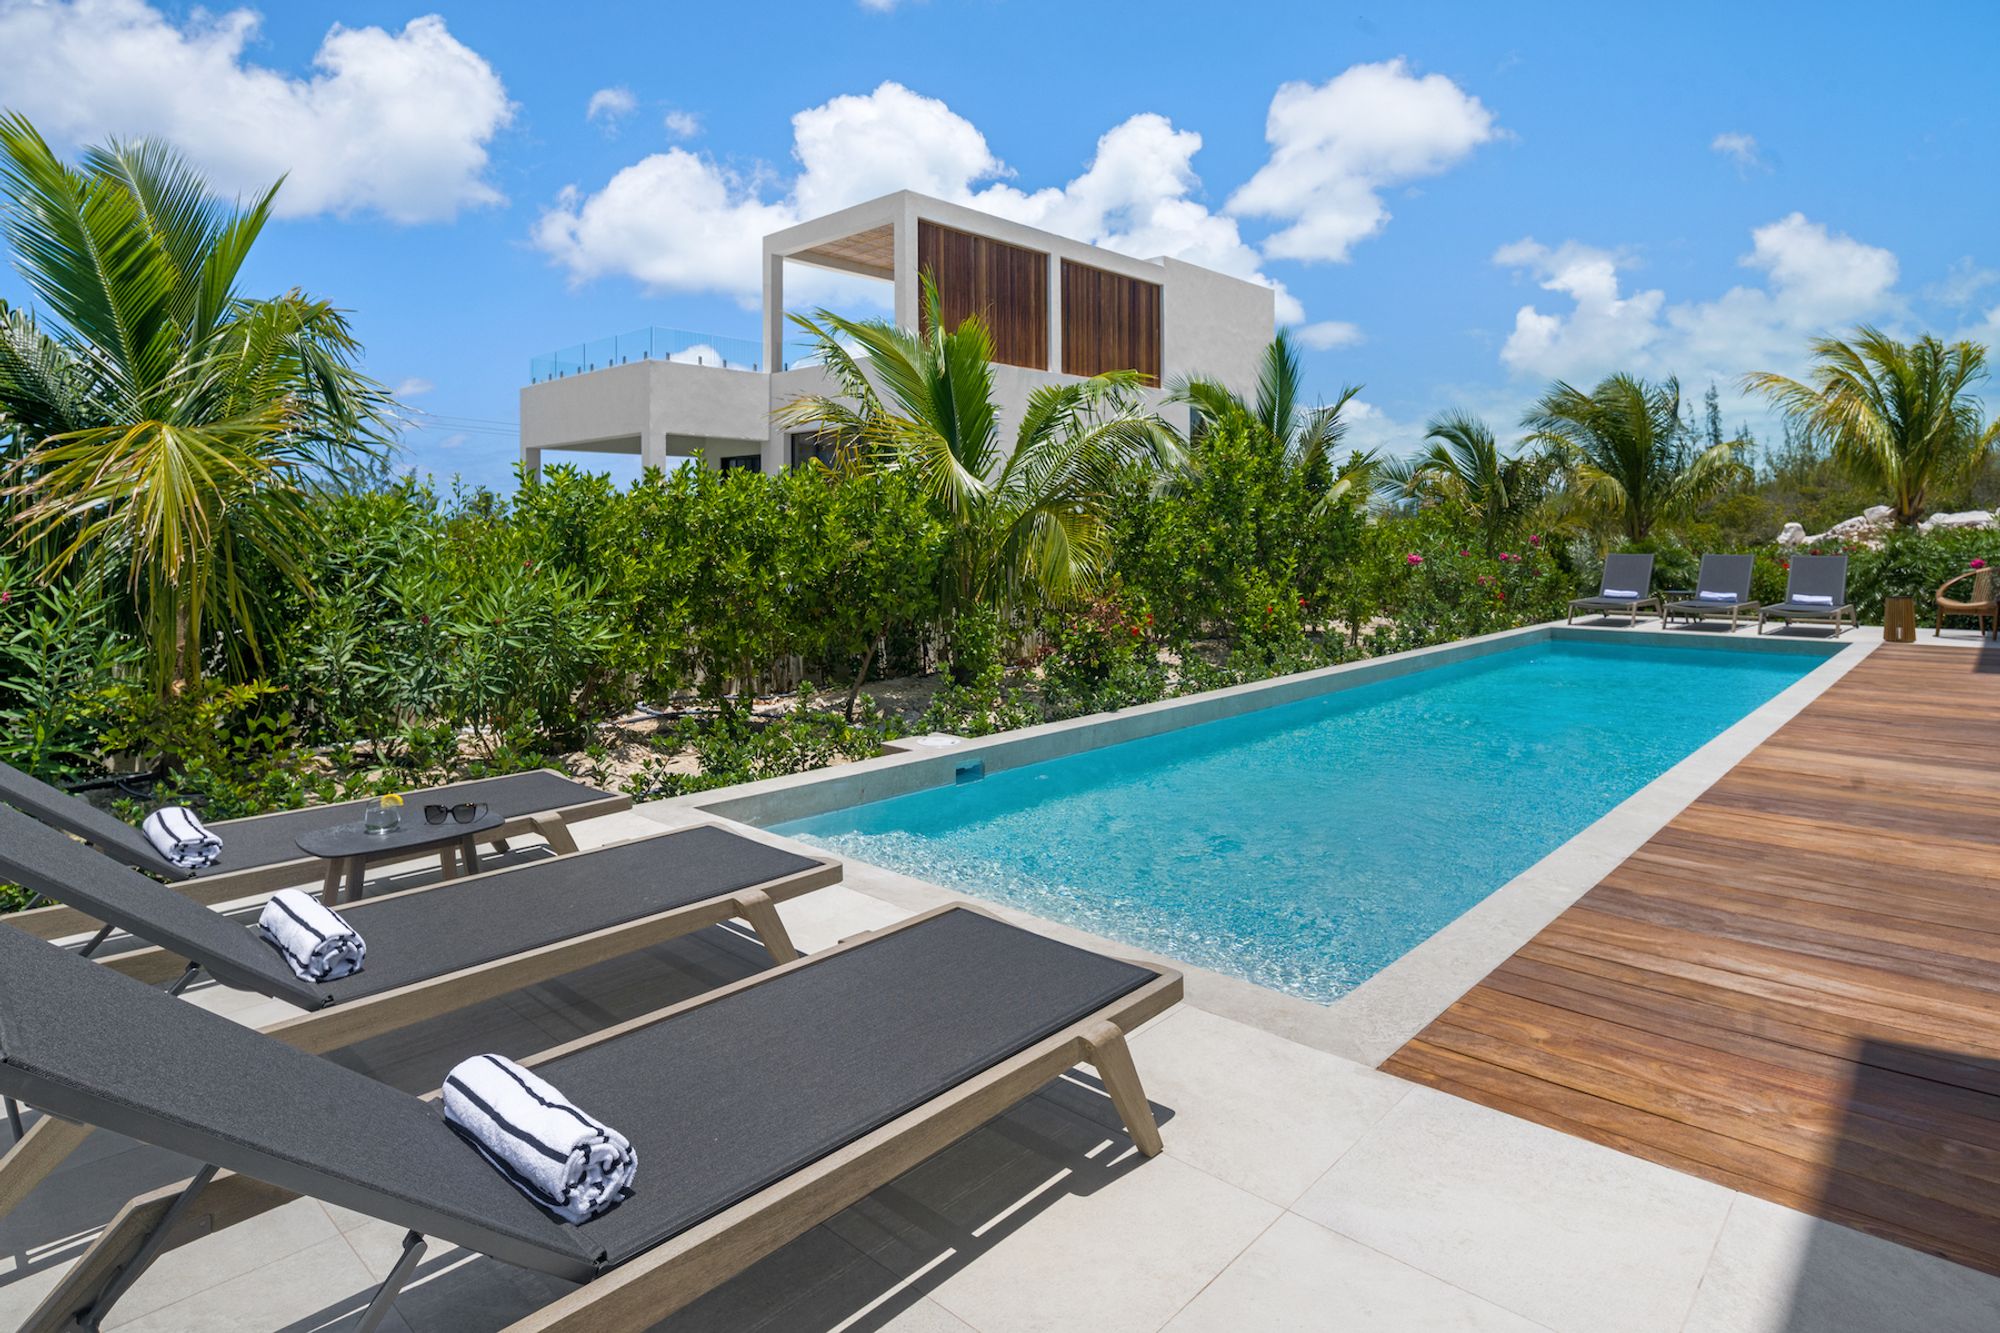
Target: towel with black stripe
181	838
559	1155
315	940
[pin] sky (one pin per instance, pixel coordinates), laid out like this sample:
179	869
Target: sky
1457	203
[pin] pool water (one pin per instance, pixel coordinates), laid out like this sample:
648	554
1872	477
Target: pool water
1307	846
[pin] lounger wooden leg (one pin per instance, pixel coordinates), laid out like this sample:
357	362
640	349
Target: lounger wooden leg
46	1146
448	861
468	854
329	890
227	1200
1113	1061
555	832
756	908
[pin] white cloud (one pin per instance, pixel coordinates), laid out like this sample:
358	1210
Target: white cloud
1814	281
608	106
414	387
682	124
396	123
1961	284
678	221
1329	333
1739	148
1336	146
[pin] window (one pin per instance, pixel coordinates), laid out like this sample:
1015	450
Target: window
748	462
810	444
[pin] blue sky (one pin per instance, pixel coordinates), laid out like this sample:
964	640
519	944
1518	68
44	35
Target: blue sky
1460	201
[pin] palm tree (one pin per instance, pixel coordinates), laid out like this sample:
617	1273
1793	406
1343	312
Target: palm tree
1626	453
1464	466
1307	435
1027	522
158	427
1899	416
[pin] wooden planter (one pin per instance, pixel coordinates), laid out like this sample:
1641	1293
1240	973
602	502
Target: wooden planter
1899	620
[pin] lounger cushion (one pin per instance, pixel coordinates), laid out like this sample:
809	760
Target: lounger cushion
730	1097
266	840
720	1101
410	938
465	923
52	863
1805	609
84	1041
75	815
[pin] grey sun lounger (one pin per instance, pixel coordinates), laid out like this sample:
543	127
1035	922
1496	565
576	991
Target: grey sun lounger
1821	578
260	853
758	1110
431	950
1623	573
1719	573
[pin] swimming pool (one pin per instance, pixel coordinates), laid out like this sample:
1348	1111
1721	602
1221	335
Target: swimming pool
1308	845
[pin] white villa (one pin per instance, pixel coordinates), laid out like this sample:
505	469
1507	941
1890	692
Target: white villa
1058	309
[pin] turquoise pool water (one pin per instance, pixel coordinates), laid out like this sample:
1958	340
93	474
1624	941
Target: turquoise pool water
1307	846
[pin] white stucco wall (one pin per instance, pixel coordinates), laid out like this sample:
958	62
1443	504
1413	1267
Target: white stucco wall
1214	325
649	408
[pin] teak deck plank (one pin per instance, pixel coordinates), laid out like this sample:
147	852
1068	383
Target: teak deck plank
1793	989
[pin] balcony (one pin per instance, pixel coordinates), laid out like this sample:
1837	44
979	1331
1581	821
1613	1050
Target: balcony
680	346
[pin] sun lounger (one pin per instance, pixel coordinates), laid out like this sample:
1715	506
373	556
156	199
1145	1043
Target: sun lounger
1719	574
757	1111
1626	587
1815	590
430	950
261	853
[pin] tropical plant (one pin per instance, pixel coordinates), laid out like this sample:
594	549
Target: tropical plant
1305	436
1026	523
1465	467
1628	459
1900	417
165	429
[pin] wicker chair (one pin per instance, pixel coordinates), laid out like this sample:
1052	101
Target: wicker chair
1981	606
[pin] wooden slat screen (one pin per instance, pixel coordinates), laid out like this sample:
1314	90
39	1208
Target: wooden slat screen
1109	322
1005	285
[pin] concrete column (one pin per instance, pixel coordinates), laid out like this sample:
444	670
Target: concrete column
531	460
653	452
1055	313
774	314
909	295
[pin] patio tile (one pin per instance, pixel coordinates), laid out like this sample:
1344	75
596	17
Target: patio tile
1252	1108
306	1288
1576	1236
1780	1271
1297	1275
824	918
1041	1221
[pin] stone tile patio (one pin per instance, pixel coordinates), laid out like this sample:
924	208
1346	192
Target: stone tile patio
1299	1191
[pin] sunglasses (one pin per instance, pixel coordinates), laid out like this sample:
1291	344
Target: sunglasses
465	812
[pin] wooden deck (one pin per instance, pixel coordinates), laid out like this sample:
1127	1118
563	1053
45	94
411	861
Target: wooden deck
1794	989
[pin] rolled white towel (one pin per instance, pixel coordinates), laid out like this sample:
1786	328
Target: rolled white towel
314	939
563	1158
1622	594
1706	596
1812	599
184	840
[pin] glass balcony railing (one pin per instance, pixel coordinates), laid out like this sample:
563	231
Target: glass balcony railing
694	349
656	344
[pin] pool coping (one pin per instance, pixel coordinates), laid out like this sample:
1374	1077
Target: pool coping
1371	1021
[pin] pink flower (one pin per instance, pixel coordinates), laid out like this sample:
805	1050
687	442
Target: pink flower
1506	556
1534	541
1413	559
1977	563
6	597
1463	554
